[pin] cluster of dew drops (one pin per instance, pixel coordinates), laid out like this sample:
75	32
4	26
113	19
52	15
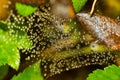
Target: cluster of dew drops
44	29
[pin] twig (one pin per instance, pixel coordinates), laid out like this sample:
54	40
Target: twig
93	7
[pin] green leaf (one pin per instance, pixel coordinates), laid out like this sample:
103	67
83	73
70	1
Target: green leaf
24	9
10	42
9	54
109	73
21	40
78	4
32	72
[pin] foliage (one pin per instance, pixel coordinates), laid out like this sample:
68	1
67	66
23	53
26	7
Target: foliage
10	43
8	51
25	10
30	73
78	4
109	73
11	40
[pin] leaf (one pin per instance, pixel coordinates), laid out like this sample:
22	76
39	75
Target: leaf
10	43
24	9
9	54
32	72
78	4
109	73
21	40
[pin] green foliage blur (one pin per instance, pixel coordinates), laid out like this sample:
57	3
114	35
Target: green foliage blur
109	73
30	73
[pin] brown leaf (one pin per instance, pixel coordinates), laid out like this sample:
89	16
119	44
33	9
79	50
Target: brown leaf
101	27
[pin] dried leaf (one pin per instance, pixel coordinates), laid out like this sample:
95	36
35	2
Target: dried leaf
101	27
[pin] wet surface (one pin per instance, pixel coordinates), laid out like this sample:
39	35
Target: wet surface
66	47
